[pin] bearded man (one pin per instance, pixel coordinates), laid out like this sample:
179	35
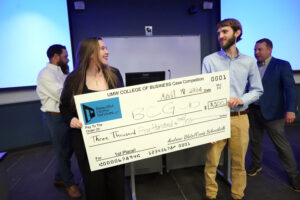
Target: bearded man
245	88
49	87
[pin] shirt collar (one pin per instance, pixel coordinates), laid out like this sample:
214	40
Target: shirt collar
52	66
265	62
223	53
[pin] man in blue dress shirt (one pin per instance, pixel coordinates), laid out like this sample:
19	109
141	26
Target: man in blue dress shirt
245	88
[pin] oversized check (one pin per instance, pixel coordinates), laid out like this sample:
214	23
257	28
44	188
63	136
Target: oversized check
137	122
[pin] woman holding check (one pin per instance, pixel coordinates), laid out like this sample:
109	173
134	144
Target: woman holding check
92	73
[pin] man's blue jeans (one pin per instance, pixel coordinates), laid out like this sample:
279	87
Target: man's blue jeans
61	141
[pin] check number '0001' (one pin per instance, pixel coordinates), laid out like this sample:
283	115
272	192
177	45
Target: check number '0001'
218	78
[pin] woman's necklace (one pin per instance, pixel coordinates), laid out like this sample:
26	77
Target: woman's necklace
97	82
98	78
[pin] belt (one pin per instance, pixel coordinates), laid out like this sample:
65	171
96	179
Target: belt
239	113
53	113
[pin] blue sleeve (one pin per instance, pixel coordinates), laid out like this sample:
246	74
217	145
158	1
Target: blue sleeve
255	88
289	85
205	66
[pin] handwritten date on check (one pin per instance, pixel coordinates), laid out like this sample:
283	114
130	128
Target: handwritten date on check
137	122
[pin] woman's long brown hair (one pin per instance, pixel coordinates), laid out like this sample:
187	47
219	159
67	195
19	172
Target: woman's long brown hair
86	48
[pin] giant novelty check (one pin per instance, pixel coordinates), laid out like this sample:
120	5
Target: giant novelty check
137	122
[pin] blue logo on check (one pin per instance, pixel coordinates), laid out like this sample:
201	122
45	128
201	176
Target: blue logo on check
101	111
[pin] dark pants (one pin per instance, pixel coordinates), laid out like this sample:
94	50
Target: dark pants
105	184
275	130
61	141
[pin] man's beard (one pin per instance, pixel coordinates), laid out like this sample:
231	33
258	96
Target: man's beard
229	43
64	67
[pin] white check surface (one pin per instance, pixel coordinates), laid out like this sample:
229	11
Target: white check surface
152	119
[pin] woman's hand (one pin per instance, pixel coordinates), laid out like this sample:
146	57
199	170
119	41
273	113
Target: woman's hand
75	123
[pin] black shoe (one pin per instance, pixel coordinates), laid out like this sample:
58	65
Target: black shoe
296	184
253	171
59	183
210	198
